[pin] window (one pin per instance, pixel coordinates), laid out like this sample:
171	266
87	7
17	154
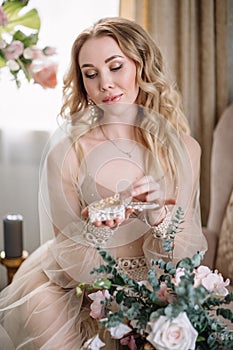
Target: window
31	106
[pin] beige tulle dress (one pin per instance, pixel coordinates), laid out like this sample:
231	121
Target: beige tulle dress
40	309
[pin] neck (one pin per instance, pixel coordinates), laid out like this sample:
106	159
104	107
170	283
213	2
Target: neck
120	113
118	131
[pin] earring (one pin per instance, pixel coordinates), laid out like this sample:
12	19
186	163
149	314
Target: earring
92	110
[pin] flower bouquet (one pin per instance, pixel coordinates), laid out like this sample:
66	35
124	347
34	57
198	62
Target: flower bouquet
18	51
179	309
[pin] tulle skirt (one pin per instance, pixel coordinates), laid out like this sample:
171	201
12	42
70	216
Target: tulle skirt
36	313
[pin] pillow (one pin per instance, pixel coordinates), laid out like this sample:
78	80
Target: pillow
224	259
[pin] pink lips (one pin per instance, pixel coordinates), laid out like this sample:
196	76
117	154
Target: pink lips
112	99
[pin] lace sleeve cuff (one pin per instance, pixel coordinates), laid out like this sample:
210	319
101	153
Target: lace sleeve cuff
160	230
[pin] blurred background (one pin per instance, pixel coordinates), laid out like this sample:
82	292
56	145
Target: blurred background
196	38
28	115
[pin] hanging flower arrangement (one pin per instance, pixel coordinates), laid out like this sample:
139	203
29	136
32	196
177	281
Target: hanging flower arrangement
19	52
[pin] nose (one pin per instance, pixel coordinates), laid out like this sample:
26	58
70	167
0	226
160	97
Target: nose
105	82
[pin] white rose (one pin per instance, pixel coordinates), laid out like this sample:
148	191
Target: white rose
119	331
94	343
175	334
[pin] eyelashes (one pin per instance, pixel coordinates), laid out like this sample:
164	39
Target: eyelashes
90	76
116	68
93	75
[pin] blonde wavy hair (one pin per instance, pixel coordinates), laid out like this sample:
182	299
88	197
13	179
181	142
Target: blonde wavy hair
157	94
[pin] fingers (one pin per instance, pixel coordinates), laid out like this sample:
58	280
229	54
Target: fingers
85	212
170	201
147	190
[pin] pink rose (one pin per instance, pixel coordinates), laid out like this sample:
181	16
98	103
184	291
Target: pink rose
3	17
44	72
97	306
172	334
214	282
200	273
33	53
14	50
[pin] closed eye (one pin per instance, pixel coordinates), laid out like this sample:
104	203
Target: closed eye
90	76
116	68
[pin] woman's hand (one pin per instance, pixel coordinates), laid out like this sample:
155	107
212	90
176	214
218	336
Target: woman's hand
148	190
143	190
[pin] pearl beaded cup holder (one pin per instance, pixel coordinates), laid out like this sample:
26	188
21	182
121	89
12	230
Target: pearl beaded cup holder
109	208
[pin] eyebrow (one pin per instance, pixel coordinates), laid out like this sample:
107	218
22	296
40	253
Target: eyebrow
106	61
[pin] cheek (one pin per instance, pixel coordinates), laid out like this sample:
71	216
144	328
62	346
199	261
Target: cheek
89	87
131	82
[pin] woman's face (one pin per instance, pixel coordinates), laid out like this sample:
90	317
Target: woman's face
109	76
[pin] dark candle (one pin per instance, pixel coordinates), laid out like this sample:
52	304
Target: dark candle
13	235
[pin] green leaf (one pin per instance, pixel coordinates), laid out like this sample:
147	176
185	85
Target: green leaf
226	313
30	19
102	283
2	62
12	8
27	40
197	258
120	296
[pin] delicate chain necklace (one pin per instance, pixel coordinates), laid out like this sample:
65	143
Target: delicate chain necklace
128	154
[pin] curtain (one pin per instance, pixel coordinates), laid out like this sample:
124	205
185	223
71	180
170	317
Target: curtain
192	35
20	156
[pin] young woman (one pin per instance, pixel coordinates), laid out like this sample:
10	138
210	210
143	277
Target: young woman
124	144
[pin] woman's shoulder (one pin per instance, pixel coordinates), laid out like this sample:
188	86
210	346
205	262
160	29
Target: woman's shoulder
193	149
62	152
191	145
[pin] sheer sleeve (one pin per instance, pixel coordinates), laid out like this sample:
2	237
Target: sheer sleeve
190	239
70	260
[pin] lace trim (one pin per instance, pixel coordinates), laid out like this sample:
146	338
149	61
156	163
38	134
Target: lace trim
134	267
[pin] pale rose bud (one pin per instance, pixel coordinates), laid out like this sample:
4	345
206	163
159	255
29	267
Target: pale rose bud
119	331
28	53
2	44
49	51
3	17
37	53
14	50
33	53
179	273
97	306
13	65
